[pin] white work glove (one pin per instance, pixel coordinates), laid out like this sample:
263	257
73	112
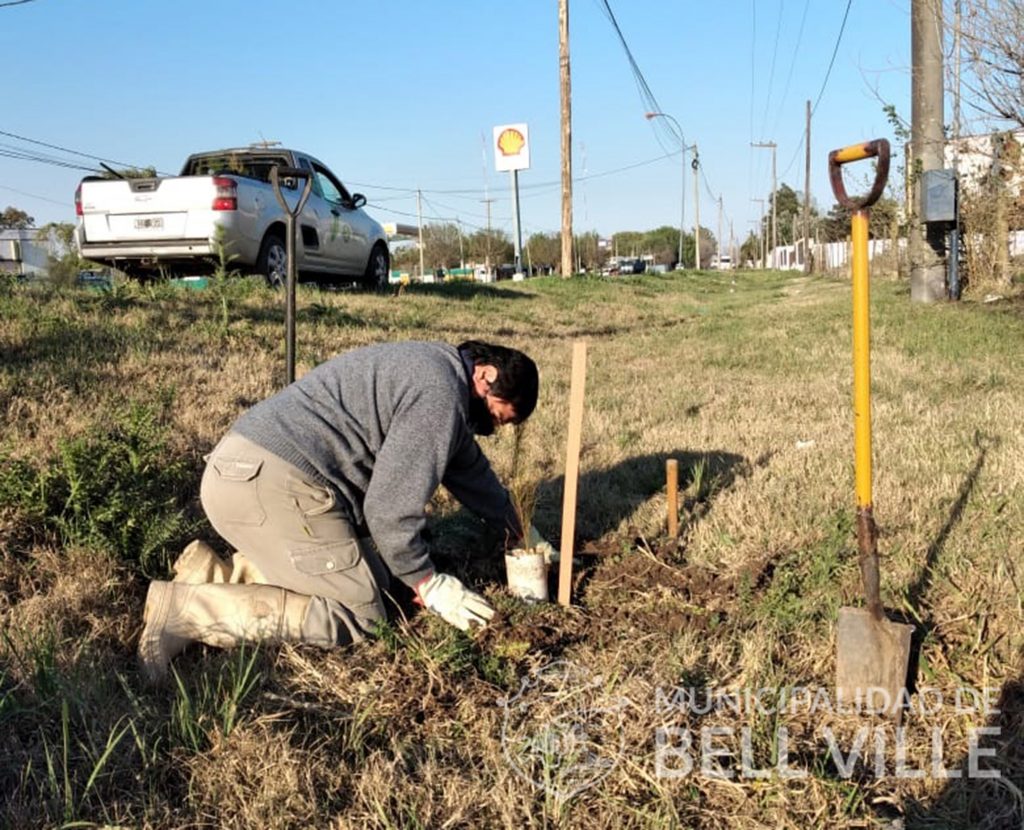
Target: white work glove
538	543
453	602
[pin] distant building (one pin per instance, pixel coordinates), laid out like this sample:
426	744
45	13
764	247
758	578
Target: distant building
979	155
21	253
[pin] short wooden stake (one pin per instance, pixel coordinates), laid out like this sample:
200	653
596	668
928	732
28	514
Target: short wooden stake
572	469
672	485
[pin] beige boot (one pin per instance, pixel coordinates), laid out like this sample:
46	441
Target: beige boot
198	564
219	615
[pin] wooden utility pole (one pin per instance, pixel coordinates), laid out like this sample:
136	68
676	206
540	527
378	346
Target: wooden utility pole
775	225
927	240
566	98
808	264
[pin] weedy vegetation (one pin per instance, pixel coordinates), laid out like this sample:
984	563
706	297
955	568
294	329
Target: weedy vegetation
110	400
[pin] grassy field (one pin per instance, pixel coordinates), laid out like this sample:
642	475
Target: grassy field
548	717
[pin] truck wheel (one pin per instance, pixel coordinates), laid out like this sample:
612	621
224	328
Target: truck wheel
272	262
378	269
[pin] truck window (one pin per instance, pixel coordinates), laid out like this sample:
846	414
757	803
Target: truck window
329	187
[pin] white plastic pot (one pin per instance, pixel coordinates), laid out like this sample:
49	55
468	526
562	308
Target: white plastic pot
527	575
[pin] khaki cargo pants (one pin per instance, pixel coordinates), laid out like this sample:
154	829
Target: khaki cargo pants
294	532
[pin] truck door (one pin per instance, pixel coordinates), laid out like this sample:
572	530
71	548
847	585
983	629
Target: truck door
344	236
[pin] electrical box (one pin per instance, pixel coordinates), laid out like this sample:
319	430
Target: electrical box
938	196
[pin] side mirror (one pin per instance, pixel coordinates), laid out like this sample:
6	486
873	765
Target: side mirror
358	200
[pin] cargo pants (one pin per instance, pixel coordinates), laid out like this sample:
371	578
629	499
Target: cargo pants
298	537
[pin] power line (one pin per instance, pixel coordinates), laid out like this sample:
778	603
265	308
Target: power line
14	3
68	150
771	72
647	96
824	83
66	203
792	65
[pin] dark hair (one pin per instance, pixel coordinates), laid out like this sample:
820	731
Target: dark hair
517	381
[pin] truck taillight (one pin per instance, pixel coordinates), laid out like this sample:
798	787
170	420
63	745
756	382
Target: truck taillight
227	194
78	200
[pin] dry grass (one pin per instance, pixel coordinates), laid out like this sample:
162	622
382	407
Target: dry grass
745	379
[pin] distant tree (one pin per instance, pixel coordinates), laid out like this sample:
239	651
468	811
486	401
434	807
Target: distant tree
835	225
750	250
15	219
663	244
494	243
994	62
545	250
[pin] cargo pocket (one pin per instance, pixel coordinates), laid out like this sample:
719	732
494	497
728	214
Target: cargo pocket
238	490
309	499
346	575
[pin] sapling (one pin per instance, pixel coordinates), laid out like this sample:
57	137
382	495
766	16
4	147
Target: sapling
526	565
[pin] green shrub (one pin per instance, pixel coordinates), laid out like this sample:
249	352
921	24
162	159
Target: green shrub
116	488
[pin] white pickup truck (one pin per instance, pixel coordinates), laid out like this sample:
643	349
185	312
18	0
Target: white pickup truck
174	225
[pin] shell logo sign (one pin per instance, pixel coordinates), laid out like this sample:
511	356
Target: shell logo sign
511	147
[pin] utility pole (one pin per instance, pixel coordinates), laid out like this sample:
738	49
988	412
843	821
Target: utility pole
954	235
462	255
761	231
775	226
808	264
696	206
719	240
487	250
927	240
419	219
566	101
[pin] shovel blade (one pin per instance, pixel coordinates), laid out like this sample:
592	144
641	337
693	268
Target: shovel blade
872	661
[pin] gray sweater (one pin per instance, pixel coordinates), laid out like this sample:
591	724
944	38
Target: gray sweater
384	426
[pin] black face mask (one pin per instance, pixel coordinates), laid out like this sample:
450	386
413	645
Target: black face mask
480	420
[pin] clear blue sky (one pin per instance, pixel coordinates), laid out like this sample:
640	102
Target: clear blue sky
401	95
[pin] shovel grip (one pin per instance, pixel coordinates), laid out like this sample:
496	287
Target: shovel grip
867	542
879	148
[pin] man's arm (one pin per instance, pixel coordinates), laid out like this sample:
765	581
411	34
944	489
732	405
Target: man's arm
471	480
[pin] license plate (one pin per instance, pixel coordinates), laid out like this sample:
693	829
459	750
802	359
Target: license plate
151	223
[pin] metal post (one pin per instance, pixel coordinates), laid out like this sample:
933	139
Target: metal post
515	218
276	173
682	181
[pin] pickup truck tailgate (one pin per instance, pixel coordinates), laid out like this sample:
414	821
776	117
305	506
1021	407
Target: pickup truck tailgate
147	209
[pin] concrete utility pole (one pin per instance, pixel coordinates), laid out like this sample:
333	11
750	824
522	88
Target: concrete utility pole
487	250
761	231
719	240
927	241
696	206
566	98
419	219
775	225
808	265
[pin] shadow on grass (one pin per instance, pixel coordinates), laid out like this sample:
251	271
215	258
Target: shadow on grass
460	290
996	800
608	496
921	619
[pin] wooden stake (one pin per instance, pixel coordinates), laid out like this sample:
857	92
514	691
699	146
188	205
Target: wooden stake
572	469
672	478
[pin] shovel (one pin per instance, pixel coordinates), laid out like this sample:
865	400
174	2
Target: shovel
872	653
